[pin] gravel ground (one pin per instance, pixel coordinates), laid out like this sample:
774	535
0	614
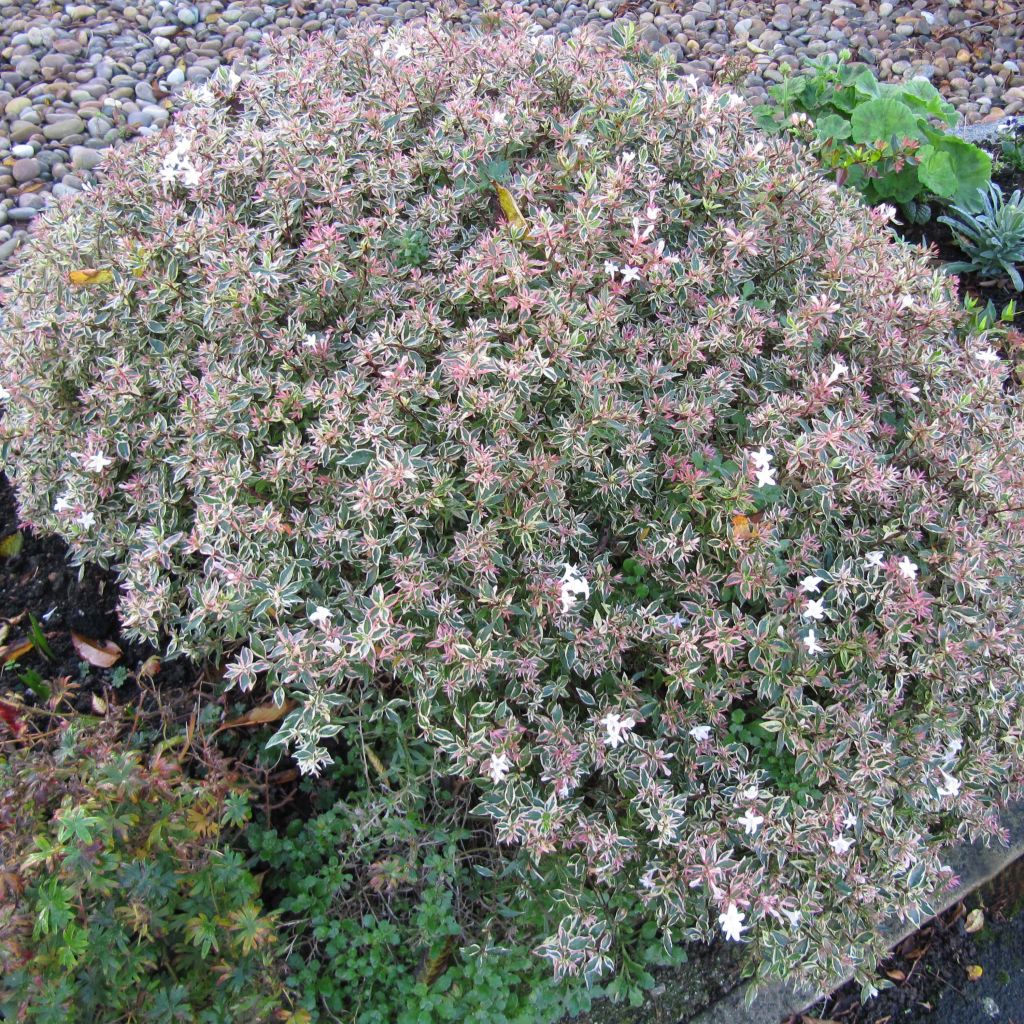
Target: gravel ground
76	78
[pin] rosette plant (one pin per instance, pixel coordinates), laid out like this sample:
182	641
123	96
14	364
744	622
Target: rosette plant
520	393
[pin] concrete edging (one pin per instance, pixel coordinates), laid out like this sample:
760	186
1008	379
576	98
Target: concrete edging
974	863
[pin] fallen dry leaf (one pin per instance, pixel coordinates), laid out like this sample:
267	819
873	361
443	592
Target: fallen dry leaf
99	705
896	975
150	667
12	652
260	715
975	921
974	972
101	654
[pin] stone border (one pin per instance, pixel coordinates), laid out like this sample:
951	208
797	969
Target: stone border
975	864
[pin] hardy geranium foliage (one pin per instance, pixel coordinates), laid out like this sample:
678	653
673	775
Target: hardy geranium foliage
524	387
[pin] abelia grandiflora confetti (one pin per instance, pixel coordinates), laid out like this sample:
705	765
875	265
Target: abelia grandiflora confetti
338	422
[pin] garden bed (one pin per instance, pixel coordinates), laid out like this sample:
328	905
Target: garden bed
415	455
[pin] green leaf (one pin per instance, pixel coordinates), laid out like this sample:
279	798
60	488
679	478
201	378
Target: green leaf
970	167
882	119
936	172
900	187
863	81
920	94
832	126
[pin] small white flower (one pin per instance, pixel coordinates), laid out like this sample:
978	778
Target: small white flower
751	793
611	268
907	301
907	568
653	213
914	393
692	81
321	617
311	340
616	728
814	609
987	355
750	822
874	559
630	274
628	156
766	477
85	519
840	844
701	733
950	786
574	586
498	118
499	767
811	643
5	395
732	922
63	503
647	879
811	584
850	821
795	917
96	463
732	100
761	458
839	369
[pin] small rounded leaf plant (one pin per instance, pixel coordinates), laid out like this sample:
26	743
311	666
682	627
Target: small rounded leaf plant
398	351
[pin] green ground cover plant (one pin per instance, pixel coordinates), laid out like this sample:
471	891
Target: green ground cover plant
517	398
125	899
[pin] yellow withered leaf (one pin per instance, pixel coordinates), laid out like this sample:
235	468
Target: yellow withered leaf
11	545
87	277
746	527
974	972
975	921
260	715
510	207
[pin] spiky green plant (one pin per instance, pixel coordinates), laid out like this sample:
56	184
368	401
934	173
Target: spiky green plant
993	238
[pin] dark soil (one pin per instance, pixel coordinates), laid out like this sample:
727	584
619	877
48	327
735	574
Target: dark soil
39	581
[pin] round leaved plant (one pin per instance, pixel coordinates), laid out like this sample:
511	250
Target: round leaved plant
522	390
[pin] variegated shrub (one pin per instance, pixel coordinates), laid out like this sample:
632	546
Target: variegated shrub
577	472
